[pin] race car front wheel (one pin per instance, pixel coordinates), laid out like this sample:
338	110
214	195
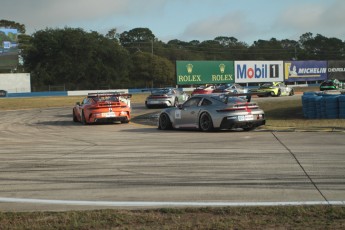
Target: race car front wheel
164	122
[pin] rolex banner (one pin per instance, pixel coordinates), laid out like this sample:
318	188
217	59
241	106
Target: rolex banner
204	72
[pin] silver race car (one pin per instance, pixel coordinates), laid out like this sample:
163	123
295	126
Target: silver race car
166	97
209	111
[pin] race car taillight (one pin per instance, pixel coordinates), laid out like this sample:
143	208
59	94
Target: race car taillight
259	116
159	96
230	109
123	113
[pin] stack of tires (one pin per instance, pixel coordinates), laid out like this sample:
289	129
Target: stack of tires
331	106
309	105
318	106
341	101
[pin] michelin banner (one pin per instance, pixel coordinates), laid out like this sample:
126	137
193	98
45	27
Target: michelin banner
204	72
305	71
258	71
336	70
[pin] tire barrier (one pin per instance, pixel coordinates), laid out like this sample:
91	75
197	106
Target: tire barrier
323	106
341	100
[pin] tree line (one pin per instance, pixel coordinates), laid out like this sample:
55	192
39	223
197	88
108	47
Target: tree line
82	60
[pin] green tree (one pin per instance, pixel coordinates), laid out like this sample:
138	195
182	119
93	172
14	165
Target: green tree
320	47
138	39
12	25
180	50
151	71
272	49
75	58
112	34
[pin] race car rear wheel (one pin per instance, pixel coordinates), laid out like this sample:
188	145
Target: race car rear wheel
164	122
75	119
292	92
82	117
249	128
205	122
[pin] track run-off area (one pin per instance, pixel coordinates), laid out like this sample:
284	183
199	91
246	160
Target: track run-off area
48	162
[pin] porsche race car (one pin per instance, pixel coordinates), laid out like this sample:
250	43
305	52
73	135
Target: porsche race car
208	112
103	108
275	89
204	89
331	84
166	97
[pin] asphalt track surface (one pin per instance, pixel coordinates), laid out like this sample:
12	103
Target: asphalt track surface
48	162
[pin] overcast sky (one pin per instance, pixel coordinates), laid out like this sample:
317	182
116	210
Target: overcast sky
186	20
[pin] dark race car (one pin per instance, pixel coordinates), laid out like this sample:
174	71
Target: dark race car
332	84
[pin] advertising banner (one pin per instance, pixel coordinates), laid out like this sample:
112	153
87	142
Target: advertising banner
258	71
336	70
305	71
8	48
204	72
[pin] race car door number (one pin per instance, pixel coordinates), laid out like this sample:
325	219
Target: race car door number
109	114
245	117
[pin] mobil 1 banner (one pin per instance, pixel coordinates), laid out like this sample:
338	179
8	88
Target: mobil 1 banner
204	72
305	71
336	70
258	71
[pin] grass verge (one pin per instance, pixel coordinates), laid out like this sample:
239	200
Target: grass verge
288	217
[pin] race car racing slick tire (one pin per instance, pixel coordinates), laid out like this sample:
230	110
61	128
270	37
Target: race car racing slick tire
248	129
75	119
292	92
82	118
279	93
205	122
164	122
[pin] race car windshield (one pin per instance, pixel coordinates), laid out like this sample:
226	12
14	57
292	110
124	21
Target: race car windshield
267	85
327	83
161	91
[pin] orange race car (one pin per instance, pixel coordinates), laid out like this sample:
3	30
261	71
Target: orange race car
103	108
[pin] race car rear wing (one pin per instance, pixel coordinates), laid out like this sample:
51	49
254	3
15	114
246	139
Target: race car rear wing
109	94
247	95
